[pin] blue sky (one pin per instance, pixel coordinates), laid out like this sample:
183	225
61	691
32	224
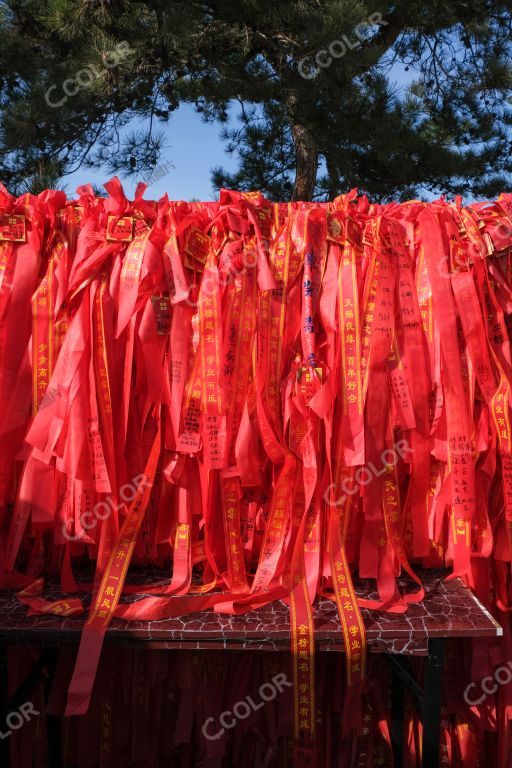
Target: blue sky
193	146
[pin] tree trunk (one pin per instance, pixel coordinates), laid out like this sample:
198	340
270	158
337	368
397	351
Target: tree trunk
306	162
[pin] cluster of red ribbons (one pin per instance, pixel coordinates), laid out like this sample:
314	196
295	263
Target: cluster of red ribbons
259	397
217	709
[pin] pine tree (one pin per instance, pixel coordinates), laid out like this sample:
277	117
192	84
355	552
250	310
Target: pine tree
313	80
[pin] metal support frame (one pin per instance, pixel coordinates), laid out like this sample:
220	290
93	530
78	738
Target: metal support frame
427	700
43	667
4	703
